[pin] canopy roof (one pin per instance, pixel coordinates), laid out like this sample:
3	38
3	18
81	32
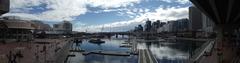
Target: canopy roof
224	13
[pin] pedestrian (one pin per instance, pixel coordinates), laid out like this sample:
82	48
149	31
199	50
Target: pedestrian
19	54
14	59
9	56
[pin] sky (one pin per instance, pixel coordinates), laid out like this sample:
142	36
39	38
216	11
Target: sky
100	15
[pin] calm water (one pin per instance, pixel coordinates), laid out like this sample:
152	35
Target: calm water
165	52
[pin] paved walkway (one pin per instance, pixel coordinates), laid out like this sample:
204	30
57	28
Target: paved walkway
32	52
145	56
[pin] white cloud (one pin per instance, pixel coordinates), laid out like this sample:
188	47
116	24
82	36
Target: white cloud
24	3
58	10
176	1
109	10
112	3
23	15
159	14
168	1
183	1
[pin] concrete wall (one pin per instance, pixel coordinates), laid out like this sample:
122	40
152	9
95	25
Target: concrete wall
4	6
208	25
63	53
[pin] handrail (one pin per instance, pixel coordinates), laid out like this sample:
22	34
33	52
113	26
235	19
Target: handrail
205	47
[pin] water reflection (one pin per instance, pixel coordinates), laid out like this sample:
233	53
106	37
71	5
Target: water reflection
165	52
109	45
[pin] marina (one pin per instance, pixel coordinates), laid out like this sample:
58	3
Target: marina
140	51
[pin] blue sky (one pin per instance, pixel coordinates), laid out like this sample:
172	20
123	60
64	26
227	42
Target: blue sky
93	15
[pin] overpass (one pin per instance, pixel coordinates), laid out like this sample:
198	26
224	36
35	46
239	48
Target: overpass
226	15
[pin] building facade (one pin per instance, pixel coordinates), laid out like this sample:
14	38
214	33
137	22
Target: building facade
208	26
148	26
180	25
64	26
40	26
13	30
195	17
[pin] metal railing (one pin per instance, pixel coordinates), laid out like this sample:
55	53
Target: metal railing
206	47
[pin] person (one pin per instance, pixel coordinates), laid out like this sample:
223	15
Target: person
19	54
14	58
9	56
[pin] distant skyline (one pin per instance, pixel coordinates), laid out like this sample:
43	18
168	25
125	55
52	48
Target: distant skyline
93	15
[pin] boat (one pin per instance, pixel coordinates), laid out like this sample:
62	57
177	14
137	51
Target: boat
125	45
96	41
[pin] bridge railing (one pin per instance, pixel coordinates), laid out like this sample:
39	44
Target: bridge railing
206	47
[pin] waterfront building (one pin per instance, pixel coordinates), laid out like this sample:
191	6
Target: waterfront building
200	22
155	26
168	27
195	17
208	26
171	27
40	26
164	28
162	23
138	28
182	25
13	30
148	26
64	26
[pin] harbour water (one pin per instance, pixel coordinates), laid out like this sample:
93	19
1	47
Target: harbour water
174	51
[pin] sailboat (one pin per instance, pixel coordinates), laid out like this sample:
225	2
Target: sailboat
96	40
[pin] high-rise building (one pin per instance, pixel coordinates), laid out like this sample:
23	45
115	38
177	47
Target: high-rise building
67	26
148	26
182	25
162	23
208	25
195	17
64	26
171	26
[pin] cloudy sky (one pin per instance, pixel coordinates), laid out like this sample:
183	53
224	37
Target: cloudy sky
100	15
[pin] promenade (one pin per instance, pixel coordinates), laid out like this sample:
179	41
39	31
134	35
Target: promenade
145	56
36	51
